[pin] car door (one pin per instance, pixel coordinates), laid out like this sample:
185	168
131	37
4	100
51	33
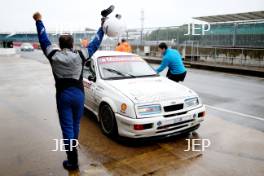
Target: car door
96	87
89	85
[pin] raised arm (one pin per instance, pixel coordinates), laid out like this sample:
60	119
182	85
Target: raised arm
97	40
95	43
42	35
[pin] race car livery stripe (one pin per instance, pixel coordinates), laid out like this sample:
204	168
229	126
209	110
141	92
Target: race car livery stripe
105	60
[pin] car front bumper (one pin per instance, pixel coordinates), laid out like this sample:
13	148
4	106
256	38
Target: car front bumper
160	125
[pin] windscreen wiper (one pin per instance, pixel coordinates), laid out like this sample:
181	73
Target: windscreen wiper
140	76
119	72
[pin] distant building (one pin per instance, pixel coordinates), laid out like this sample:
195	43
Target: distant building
235	30
232	30
53	36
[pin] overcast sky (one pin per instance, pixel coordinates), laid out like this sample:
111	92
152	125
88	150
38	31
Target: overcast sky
16	15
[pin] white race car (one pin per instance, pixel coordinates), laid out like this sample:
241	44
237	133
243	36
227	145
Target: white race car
129	99
26	47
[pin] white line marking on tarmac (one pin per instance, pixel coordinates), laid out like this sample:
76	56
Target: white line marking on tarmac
237	113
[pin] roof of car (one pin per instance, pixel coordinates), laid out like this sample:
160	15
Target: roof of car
111	53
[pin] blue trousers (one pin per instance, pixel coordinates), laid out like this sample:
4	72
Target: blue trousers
70	105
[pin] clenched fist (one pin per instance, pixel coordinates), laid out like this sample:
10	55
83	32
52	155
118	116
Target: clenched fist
37	16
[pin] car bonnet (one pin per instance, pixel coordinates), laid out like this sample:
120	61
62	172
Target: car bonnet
152	89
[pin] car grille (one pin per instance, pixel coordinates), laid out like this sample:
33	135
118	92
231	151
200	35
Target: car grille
174	126
175	114
173	107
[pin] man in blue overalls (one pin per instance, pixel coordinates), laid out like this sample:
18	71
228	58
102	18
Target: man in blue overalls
67	67
173	60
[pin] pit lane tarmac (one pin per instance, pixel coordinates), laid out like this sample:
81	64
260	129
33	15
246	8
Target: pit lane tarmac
233	151
29	123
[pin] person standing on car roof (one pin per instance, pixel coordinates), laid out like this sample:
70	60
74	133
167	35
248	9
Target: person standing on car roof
67	67
173	60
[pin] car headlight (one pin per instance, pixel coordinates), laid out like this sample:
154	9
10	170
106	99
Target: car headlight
191	102
149	110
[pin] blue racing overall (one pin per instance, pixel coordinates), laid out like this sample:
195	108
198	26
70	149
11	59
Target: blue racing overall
67	67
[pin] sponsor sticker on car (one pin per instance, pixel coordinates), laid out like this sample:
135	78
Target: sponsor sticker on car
106	60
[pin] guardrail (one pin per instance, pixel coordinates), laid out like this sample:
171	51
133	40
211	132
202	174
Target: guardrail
248	71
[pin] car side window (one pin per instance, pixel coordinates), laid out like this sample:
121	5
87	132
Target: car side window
88	69
92	67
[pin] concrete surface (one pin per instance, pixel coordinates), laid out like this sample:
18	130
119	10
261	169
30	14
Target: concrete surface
29	123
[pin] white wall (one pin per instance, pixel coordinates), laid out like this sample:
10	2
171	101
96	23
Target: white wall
7	51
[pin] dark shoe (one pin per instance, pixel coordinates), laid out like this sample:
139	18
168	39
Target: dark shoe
72	162
107	11
68	166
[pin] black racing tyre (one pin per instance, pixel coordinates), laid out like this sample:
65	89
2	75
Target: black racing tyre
108	121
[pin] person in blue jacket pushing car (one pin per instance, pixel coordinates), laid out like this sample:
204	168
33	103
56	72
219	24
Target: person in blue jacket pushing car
173	60
67	67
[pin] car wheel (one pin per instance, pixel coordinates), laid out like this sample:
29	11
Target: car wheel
108	121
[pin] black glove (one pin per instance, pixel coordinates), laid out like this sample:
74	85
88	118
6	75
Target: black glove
107	11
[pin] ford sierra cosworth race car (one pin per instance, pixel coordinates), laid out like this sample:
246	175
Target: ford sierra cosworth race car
131	100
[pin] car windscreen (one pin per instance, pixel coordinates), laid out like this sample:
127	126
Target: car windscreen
122	67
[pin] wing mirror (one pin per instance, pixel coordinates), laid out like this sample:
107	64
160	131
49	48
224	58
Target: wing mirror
92	78
88	63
